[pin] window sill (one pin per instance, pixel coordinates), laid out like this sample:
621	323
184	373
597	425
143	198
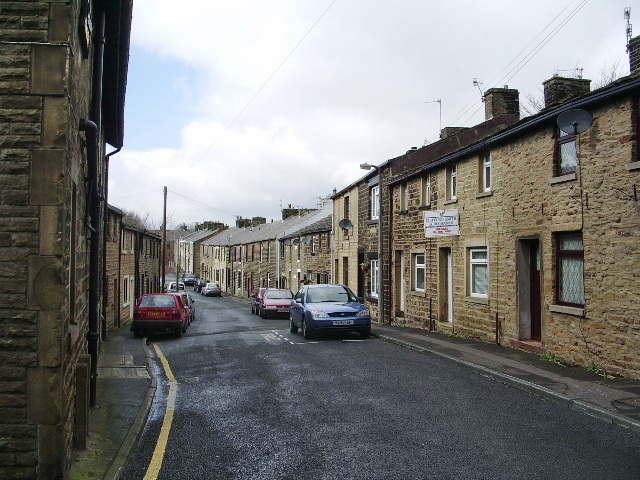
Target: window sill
478	300
562	178
417	293
448	202
575	311
485	194
403	212
373	222
425	207
633	166
371	299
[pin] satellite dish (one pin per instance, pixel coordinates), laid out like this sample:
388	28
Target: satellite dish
345	224
306	240
296	242
574	121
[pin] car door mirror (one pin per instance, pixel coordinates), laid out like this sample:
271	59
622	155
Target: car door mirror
360	299
298	300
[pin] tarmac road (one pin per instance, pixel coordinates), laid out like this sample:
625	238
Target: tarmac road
254	401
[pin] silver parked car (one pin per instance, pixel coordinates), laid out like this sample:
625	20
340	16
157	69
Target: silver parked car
211	290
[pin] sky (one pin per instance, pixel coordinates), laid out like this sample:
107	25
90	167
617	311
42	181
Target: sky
243	108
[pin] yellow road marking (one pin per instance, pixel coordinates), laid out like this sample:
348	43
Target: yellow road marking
158	454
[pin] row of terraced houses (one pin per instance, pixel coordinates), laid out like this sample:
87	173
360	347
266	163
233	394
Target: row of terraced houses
513	231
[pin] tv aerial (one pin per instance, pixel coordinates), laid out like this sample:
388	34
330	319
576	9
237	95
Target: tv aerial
574	121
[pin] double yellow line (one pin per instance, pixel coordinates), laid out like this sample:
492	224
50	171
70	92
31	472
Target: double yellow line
158	454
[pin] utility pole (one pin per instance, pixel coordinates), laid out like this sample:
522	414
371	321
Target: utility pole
164	242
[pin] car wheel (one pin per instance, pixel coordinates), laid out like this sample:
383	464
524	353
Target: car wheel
293	328
179	332
366	333
306	333
137	333
262	314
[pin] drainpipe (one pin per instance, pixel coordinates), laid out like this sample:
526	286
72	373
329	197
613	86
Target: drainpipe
92	132
93	336
105	229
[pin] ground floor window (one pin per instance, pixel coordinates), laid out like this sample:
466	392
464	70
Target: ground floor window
375	278
418	272
479	272
570	269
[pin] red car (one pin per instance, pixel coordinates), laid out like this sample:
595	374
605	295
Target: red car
160	312
275	301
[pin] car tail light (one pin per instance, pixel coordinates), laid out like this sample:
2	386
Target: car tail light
175	314
136	313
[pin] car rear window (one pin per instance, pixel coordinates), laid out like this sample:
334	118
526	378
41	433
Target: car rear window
274	294
158	301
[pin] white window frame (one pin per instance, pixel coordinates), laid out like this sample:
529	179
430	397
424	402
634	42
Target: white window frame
417	266
426	190
474	263
126	293
487	170
404	196
454	181
375	278
375	202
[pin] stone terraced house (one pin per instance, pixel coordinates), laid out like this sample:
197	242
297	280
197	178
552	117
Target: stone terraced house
61	102
529	236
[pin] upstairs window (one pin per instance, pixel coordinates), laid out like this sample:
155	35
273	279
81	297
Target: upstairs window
486	173
375	202
425	192
404	197
452	182
567	154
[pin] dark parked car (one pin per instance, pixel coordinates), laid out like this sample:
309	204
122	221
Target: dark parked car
256	300
188	300
198	284
328	308
275	301
160	312
211	290
189	278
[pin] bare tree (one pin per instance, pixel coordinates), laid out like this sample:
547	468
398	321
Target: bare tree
608	74
534	103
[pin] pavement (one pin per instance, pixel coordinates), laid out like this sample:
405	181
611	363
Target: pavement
126	388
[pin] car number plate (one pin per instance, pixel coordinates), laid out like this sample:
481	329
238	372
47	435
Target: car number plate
343	322
155	314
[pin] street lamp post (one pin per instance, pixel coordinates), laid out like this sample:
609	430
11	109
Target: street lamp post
368	166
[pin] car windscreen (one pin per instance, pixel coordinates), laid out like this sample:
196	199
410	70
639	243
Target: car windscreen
330	294
275	294
158	301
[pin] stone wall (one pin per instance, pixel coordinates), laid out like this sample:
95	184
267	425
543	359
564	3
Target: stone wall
43	268
346	241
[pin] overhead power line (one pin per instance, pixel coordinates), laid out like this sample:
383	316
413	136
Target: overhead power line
215	142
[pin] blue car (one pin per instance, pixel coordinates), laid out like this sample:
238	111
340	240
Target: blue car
328	308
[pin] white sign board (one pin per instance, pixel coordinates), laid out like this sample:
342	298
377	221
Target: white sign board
441	223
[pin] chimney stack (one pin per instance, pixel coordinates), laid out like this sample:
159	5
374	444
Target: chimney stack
500	101
634	55
558	90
